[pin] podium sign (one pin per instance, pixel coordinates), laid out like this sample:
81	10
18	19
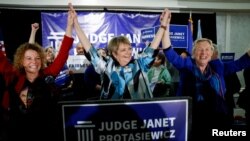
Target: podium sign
147	120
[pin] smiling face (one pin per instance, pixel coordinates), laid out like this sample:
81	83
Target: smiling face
203	52
121	50
31	61
123	54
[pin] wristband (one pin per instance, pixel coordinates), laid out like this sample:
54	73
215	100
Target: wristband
164	27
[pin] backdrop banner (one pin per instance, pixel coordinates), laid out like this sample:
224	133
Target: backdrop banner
100	27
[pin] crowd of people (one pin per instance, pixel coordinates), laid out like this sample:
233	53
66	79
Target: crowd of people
34	82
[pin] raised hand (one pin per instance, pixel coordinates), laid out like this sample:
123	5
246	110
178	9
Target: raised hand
35	26
165	17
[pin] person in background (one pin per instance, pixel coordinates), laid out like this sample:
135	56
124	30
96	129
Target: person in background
207	84
123	76
103	53
244	98
79	86
63	81
159	77
50	55
92	79
79	49
175	73
185	54
28	102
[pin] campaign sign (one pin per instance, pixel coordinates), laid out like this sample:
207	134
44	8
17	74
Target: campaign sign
226	57
77	63
147	120
178	35
147	34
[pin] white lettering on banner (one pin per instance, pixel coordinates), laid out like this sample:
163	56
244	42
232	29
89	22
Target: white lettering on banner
128	125
100	38
145	136
136	38
227	57
55	39
148	36
117	125
105	38
148	31
177	35
136	51
77	63
157	123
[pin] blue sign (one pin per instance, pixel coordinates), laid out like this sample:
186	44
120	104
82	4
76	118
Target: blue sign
127	120
148	34
226	57
178	35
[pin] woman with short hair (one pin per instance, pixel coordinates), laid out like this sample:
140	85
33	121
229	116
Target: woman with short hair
123	77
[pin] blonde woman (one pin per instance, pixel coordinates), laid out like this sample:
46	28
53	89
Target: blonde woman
205	84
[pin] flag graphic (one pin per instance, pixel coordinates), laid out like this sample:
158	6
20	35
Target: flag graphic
199	33
190	34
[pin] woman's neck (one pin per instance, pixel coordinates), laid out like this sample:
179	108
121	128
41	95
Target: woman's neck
31	76
202	69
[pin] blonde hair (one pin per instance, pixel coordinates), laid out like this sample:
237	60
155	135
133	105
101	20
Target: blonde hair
202	40
115	42
49	47
53	52
19	55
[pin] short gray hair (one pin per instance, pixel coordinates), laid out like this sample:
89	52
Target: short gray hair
202	40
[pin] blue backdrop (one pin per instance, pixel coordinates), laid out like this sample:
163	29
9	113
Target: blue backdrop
100	27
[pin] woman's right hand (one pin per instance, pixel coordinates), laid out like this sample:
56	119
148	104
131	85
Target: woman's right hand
35	26
165	17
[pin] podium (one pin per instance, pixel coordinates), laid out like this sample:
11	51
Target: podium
127	120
